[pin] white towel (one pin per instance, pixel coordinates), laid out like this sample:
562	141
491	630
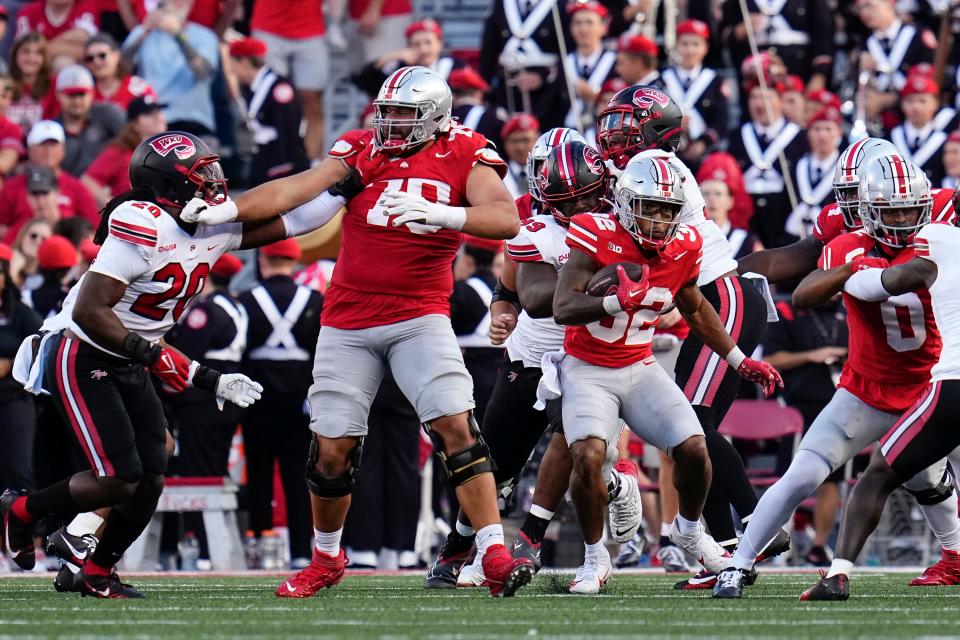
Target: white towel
549	386
28	370
761	284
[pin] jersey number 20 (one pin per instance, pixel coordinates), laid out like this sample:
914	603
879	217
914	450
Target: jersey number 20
148	305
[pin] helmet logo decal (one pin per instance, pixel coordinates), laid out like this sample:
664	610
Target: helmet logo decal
592	158
394	82
645	97
851	154
179	144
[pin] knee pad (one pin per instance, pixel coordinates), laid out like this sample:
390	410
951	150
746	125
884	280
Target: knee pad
466	464
337	487
929	496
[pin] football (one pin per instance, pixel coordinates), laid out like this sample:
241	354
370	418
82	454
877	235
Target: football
603	280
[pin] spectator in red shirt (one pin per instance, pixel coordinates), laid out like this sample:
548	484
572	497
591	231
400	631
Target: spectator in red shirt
212	14
66	24
378	26
293	31
108	175
30	70
44	148
11	136
114	82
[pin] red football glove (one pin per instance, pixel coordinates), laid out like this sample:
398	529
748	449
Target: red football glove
762	373
868	262
172	368
630	294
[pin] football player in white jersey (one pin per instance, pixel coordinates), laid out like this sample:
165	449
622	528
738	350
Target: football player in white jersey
644	122
928	429
96	356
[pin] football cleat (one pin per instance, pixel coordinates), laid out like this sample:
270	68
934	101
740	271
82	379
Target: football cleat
626	511
707	580
109	586
324	571
632	552
523	548
730	583
944	573
777	546
833	588
66	579
505	574
701	546
471	575
73	550
592	575
17	534
672	559
456	552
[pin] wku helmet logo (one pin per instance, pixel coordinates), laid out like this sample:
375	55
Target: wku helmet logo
594	163
646	97
179	144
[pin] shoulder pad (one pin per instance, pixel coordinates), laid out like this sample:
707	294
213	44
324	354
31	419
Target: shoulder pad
687	238
136	222
486	155
933	235
351	143
845	248
586	230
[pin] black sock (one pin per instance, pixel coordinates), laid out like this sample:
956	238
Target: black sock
119	533
534	528
54	500
716	513
457	543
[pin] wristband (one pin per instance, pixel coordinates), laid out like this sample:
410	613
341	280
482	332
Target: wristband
139	350
502	294
456	217
867	285
736	357
203	377
611	304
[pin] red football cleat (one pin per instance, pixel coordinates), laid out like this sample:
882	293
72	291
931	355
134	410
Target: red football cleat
322	572
505	574
945	572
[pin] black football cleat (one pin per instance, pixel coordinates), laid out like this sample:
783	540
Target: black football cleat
74	550
454	554
523	548
834	588
66	579
17	534
105	586
730	583
780	544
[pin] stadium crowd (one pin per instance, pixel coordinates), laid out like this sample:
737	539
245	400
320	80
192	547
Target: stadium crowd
86	81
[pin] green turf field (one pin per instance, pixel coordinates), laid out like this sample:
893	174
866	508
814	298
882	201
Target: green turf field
396	607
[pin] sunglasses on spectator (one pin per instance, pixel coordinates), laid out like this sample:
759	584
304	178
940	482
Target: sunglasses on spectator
36	235
93	57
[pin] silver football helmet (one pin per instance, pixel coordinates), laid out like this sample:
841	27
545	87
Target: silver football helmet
649	190
415	88
846	177
541	149
895	200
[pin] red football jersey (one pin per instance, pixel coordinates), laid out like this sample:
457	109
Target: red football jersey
943	210
623	339
524	206
131	87
894	342
387	274
829	223
33	17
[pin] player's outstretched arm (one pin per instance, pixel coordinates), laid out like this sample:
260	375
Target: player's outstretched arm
571	304
536	285
820	286
876	285
782	264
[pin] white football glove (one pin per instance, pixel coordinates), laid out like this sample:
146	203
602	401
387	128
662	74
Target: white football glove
202	212
411	209
238	389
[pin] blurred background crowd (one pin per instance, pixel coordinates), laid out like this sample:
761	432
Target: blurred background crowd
771	97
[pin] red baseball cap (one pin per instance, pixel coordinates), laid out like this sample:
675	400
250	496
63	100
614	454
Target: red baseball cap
467	78
774	85
693	27
824	97
56	252
827	114
283	249
227	266
89	250
519	122
615	84
6	253
427	24
953	137
793	83
248	47
588	5
638	45
918	83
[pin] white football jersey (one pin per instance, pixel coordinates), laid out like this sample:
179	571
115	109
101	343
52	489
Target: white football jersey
940	243
541	239
717	254
162	264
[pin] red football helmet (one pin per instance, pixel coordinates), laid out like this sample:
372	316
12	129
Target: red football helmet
636	119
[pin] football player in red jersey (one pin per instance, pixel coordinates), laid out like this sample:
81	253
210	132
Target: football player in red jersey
893	345
609	371
427	179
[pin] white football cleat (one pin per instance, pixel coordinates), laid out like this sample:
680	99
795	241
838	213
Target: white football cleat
471	575
591	577
626	511
702	547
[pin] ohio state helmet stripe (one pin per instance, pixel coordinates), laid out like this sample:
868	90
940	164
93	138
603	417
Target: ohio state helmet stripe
849	155
899	169
394	82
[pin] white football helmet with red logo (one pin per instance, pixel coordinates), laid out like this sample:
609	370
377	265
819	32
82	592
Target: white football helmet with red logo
895	200
417	88
846	177
541	149
643	182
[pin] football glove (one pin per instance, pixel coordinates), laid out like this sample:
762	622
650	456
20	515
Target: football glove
202	212
173	369
411	209
629	293
761	373
238	389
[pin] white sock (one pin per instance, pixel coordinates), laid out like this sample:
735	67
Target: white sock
840	566
595	550
686	527
84	523
807	472
487	537
328	543
665	529
942	518
539	512
464	530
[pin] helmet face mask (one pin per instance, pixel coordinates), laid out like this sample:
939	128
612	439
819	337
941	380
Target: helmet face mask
846	178
895	201
541	149
649	198
413	105
636	119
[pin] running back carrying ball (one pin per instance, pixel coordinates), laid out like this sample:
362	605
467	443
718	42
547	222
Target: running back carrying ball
605	279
